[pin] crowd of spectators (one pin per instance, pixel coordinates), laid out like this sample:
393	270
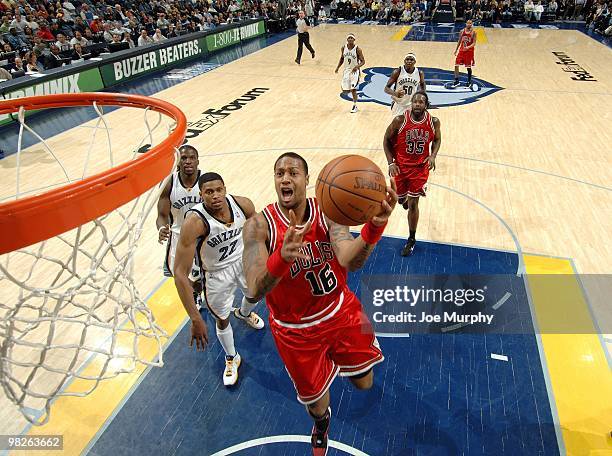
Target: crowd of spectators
40	34
595	13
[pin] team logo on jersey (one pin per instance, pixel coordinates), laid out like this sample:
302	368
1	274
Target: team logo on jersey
438	84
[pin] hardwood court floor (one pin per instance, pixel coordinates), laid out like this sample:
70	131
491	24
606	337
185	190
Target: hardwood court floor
527	167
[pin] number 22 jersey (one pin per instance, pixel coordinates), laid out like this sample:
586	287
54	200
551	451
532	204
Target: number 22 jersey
313	290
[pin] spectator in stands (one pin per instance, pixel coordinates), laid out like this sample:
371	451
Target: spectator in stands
78	53
552	8
32	64
107	35
172	32
537	11
5	75
32	24
162	21
322	14
96	25
158	37
6	47
127	38
54	59
17	65
19	23
144	39
44	33
86	14
529	8
38	45
17	41
579	5
5	25
62	42
78	39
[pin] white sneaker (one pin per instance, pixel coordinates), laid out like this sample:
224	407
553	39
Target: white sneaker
230	374
253	320
354	110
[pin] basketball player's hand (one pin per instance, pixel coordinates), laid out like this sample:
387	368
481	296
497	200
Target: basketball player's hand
293	240
400	93
199	334
387	205
355	70
394	170
164	233
431	162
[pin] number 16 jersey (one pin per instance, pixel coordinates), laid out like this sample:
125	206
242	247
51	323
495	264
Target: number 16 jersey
223	245
313	290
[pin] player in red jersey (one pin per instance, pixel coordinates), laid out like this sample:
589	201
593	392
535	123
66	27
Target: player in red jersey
407	147
298	259
465	52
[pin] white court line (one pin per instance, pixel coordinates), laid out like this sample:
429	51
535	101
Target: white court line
286	438
499	357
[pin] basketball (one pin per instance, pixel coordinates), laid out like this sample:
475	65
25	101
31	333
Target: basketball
350	190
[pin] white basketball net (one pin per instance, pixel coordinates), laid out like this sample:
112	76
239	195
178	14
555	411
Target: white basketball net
69	307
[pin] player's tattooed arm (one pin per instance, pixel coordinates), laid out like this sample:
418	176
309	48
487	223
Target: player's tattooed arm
254	257
351	252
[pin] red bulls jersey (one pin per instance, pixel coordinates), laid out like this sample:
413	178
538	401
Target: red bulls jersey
413	140
313	289
467	39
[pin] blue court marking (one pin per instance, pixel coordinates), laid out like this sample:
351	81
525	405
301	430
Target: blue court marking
433	394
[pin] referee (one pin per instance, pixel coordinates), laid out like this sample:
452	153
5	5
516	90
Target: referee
303	37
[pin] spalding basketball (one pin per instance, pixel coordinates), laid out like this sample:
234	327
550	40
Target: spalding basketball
350	190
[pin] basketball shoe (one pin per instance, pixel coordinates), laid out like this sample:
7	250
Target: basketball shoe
318	438
252	319
354	110
455	83
230	375
409	247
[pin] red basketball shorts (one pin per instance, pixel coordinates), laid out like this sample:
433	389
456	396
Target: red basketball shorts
412	181
343	345
465	58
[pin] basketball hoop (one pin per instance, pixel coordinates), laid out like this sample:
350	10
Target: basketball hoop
67	254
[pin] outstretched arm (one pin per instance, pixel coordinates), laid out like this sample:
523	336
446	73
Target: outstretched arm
163	213
341	61
392	80
435	145
351	252
360	59
193	228
422	84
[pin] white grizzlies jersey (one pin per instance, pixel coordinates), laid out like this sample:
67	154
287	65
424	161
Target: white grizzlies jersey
223	245
409	82
350	57
181	200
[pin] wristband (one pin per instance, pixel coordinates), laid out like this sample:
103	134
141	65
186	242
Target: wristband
371	233
160	228
276	264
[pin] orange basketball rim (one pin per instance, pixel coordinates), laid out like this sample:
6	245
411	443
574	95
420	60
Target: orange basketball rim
27	221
